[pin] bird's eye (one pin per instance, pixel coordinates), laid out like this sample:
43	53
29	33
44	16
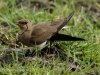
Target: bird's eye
24	23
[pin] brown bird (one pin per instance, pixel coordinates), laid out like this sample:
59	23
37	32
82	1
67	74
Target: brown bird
39	34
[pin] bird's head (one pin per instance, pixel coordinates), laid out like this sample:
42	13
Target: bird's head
24	23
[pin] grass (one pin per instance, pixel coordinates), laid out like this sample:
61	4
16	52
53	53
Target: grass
90	48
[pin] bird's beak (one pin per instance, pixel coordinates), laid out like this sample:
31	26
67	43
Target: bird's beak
18	24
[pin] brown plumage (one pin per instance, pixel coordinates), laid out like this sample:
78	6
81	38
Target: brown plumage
40	33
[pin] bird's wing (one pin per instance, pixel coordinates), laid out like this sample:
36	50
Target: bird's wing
43	32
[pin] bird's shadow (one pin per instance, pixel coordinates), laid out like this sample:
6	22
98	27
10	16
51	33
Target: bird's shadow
10	56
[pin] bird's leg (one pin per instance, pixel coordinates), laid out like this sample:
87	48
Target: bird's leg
50	45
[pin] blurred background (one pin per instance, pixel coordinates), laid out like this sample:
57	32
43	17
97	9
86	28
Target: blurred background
17	9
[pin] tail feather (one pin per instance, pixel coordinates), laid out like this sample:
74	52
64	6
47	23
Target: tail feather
62	37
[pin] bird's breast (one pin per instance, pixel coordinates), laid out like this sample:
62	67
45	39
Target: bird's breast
25	39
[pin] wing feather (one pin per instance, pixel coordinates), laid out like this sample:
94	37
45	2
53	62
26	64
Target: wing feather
45	31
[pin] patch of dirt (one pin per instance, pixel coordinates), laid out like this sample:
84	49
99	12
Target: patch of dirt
45	56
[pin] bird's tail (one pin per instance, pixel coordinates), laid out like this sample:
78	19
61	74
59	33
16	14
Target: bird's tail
63	37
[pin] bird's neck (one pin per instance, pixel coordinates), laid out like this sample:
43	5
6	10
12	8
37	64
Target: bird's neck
25	30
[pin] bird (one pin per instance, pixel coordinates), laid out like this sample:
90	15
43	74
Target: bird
39	34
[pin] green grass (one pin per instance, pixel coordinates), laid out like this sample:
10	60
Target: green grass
90	48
